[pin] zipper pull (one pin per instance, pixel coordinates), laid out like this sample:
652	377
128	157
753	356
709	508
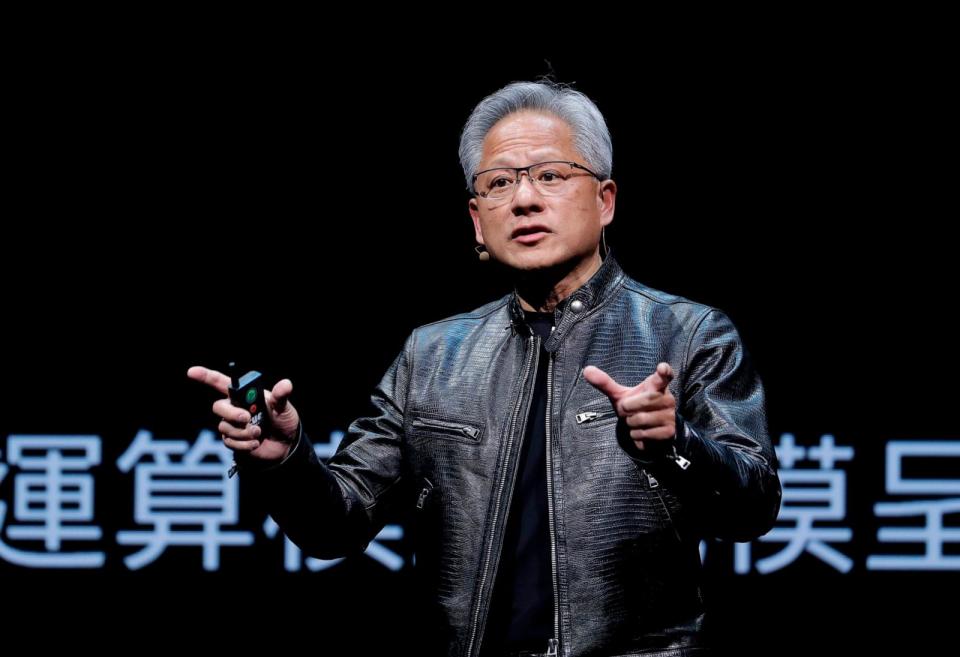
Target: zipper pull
233	470
682	462
652	481
586	417
423	497
552	647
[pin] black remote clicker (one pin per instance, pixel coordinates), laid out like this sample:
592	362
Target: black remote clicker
246	392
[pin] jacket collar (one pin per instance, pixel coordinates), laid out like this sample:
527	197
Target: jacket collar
588	296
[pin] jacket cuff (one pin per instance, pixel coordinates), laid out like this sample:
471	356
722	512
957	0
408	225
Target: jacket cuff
249	466
673	451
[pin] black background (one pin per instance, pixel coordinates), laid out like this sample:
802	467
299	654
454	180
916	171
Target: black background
177	200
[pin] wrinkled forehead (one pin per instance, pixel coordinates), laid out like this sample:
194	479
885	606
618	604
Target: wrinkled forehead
526	137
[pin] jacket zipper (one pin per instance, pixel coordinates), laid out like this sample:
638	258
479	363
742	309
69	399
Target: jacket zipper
485	569
554	643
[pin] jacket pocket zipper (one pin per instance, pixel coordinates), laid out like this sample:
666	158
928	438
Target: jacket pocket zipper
471	432
425	493
593	416
655	487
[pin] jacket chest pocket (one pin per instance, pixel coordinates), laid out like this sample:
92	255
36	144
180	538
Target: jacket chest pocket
596	413
424	427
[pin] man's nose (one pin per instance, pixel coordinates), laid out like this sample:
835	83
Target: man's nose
526	196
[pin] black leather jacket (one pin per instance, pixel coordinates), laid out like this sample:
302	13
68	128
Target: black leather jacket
625	524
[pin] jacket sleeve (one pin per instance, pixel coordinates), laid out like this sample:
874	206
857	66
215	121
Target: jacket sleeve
336	508
721	460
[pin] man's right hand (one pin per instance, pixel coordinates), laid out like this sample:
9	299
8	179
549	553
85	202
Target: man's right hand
234	426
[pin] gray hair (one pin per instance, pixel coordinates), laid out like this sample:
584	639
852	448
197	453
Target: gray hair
590	135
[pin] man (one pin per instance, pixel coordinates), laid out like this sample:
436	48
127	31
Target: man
565	447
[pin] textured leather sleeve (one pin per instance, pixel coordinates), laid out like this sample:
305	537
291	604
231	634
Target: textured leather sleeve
722	432
334	509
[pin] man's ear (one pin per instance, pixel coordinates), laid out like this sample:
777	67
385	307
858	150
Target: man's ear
475	215
606	200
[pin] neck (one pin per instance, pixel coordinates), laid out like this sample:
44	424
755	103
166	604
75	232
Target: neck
543	289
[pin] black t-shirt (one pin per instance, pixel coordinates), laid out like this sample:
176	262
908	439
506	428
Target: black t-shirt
521	614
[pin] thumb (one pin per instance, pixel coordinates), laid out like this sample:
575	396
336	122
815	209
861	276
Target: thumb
661	378
281	395
603	382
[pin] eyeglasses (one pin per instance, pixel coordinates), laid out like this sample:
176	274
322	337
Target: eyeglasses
550	178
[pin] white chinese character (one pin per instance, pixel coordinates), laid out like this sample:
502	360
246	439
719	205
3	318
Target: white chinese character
190	492
53	498
932	534
809	496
